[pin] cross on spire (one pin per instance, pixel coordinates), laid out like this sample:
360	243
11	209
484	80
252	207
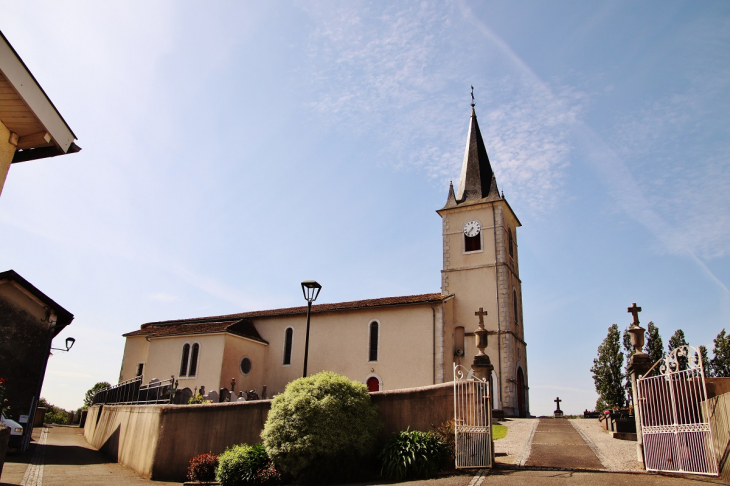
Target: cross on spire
472	97
481	313
635	312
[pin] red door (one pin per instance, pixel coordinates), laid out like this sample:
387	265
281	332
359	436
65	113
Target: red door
373	384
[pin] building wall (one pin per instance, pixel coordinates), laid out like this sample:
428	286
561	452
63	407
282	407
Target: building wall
236	348
136	349
339	342
7	151
165	353
23	347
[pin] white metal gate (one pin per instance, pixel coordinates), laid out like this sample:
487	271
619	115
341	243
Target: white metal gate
472	420
674	415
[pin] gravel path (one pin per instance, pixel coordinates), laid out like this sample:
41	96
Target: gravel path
515	447
615	454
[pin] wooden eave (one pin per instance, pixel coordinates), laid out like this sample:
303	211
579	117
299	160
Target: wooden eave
26	111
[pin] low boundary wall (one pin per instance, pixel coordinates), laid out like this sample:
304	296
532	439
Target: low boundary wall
720	424
157	441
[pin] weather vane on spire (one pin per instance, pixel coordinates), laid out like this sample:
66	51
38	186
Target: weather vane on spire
472	97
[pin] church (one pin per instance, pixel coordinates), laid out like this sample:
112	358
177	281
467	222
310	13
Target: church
387	343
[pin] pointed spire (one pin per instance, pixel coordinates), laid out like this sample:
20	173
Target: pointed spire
477	178
451	198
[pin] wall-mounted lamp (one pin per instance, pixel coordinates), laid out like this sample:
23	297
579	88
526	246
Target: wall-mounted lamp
69	344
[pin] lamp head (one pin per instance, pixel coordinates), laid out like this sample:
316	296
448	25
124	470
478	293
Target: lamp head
310	289
69	343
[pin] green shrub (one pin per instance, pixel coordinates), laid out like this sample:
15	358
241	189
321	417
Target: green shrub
323	428
413	454
244	464
202	467
447	434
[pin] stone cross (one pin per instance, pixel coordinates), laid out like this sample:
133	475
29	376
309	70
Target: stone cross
635	312
557	401
481	313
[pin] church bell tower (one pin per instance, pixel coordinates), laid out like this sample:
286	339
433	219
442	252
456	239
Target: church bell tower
481	270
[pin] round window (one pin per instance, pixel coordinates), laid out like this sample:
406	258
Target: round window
245	365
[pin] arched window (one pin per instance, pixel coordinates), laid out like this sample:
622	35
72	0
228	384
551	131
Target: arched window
194	360
473	243
511	243
514	304
184	360
373	341
189	360
288	338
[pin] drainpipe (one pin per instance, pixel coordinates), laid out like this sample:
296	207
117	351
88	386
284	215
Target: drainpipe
433	310
499	321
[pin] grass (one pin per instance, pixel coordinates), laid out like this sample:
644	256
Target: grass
499	431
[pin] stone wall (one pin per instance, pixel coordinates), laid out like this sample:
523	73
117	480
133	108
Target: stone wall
720	425
157	441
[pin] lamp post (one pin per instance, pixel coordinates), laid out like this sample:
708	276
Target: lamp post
310	289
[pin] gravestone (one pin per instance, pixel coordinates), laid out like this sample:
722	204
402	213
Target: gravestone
182	396
225	395
213	396
558	412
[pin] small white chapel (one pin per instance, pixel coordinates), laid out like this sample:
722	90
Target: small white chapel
387	343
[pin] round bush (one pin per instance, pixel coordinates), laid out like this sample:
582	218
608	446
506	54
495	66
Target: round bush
202	467
244	464
323	428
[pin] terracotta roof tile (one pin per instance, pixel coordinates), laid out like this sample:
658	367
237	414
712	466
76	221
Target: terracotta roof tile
218	323
241	327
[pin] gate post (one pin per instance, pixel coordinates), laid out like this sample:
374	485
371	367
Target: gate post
639	364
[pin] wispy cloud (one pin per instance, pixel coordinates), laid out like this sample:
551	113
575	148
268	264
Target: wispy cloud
689	189
393	72
162	297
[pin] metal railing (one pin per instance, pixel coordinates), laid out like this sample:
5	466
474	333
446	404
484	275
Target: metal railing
133	392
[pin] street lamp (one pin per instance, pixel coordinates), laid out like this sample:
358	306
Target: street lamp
69	344
310	289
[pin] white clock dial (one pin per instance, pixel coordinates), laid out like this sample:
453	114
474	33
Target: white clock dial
472	228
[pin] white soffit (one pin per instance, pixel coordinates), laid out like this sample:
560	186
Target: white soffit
28	88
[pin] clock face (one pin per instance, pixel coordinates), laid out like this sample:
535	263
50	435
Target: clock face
472	228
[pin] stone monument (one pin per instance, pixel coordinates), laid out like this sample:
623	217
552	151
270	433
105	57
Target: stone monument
639	364
558	413
481	366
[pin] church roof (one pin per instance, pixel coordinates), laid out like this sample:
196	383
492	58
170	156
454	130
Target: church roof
240	327
477	183
219	323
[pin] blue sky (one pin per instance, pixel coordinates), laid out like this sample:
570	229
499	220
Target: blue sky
232	150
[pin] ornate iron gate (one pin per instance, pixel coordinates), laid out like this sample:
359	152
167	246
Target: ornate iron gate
674	415
472	420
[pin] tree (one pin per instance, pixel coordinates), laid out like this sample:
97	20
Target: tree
677	341
720	364
608	371
54	414
89	398
705	360
654	346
